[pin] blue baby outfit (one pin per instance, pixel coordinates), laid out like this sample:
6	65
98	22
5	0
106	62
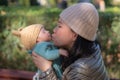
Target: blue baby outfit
49	52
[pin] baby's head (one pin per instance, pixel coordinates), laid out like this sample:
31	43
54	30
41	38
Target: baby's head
32	34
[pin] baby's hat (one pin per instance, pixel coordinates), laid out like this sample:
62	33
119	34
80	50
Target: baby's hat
28	35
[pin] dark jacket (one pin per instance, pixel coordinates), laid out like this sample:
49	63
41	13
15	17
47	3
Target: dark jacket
91	68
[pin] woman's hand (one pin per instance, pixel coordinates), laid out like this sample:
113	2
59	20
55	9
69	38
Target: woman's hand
41	62
63	52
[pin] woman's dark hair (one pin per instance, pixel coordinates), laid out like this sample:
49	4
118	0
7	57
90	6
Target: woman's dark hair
81	48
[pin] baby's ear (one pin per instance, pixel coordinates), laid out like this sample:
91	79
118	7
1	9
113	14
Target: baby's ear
16	33
74	36
20	29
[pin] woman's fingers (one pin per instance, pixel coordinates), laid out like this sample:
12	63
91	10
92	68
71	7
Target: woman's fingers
34	54
41	62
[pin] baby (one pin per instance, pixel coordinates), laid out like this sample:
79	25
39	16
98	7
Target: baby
36	38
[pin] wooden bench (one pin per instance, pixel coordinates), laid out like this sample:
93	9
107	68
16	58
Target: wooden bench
6	74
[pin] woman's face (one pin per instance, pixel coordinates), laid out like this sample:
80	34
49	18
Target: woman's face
63	36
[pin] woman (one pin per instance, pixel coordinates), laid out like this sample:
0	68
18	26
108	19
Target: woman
76	32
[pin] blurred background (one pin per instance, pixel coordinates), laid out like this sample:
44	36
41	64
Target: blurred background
21	13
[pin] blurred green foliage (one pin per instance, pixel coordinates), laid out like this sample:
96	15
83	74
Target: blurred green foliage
109	26
14	56
12	53
109	37
24	2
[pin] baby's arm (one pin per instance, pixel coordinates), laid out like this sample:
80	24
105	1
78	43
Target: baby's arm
47	50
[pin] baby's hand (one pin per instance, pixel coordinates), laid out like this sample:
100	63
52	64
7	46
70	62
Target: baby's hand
63	52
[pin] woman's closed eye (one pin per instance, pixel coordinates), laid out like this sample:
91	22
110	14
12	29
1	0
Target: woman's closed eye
59	26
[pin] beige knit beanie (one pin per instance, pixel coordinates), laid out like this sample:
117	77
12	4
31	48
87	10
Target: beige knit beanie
83	19
28	35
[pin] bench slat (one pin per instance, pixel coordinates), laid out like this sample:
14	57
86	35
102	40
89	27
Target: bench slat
7	74
16	74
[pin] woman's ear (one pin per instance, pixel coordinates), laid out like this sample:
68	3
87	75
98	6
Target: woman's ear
74	36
